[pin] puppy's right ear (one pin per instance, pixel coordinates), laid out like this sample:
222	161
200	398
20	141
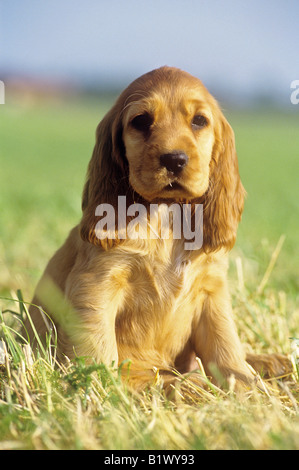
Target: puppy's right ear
224	200
107	177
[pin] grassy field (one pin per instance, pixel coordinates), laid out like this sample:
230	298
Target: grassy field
45	149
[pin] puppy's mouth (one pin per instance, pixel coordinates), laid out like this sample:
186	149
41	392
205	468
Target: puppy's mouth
174	185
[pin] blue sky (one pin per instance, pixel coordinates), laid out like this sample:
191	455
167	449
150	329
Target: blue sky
234	44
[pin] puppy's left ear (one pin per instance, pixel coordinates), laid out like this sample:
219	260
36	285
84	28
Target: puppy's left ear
107	178
224	200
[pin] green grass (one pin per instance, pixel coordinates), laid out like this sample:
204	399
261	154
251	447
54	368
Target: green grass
45	149
268	149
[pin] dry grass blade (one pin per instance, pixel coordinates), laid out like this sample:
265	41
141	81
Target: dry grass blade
271	265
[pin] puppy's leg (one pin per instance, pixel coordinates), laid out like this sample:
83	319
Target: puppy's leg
140	377
270	365
216	341
91	330
84	315
91	333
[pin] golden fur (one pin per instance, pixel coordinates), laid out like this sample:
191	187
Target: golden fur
151	300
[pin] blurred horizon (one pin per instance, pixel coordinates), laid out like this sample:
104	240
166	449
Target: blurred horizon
244	52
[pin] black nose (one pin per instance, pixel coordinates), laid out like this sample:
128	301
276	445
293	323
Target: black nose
174	161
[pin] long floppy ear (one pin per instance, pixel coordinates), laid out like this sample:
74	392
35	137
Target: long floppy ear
224	200
107	178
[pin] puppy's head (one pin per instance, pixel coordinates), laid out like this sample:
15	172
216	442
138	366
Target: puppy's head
166	140
169	134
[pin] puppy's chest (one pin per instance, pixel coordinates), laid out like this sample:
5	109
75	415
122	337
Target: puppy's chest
161	284
174	277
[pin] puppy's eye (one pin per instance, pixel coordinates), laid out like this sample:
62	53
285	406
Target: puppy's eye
142	122
198	122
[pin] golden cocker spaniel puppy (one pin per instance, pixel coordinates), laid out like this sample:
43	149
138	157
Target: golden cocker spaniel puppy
116	293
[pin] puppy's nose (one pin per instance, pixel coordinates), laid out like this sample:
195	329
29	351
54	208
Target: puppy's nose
174	161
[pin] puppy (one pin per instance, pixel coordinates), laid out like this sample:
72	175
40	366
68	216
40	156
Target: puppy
156	300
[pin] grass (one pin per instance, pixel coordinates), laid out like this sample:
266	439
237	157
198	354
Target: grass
45	149
44	405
